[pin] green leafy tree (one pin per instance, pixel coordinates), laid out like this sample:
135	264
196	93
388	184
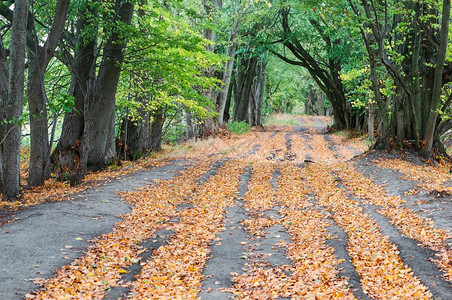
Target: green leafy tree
410	39
165	78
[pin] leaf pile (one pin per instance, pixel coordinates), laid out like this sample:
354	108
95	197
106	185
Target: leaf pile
431	177
299	147
272	146
315	272
175	270
375	258
408	221
320	150
104	263
259	196
54	190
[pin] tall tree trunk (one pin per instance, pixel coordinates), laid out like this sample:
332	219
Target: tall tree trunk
383	105
70	147
39	144
227	75
257	95
101	125
4	97
130	139
211	7
370	121
245	79
438	79
190	126
39	58
311	102
227	115
145	140
400	121
10	147
157	129
321	111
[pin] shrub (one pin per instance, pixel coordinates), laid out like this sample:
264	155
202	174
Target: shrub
238	127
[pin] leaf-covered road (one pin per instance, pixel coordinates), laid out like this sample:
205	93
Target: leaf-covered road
284	213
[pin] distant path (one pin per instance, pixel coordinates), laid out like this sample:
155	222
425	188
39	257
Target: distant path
312	124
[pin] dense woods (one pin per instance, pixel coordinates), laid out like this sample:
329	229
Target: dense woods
87	83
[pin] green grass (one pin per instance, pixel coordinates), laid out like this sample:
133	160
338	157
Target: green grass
238	127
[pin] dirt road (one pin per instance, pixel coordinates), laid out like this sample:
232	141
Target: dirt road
288	212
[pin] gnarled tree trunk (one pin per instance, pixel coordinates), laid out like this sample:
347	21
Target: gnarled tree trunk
327	77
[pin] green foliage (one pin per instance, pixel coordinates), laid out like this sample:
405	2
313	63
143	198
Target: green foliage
285	88
174	132
358	85
164	63
238	127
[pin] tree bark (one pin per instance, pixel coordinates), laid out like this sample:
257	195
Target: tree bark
10	147
371	122
39	144
129	139
438	79
39	58
145	140
245	79
190	126
157	129
4	97
101	125
71	148
227	75
227	108
257	95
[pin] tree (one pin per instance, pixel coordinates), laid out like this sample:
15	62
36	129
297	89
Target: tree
39	58
169	77
101	146
222	94
11	101
415	62
326	70
158	61
72	149
87	140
